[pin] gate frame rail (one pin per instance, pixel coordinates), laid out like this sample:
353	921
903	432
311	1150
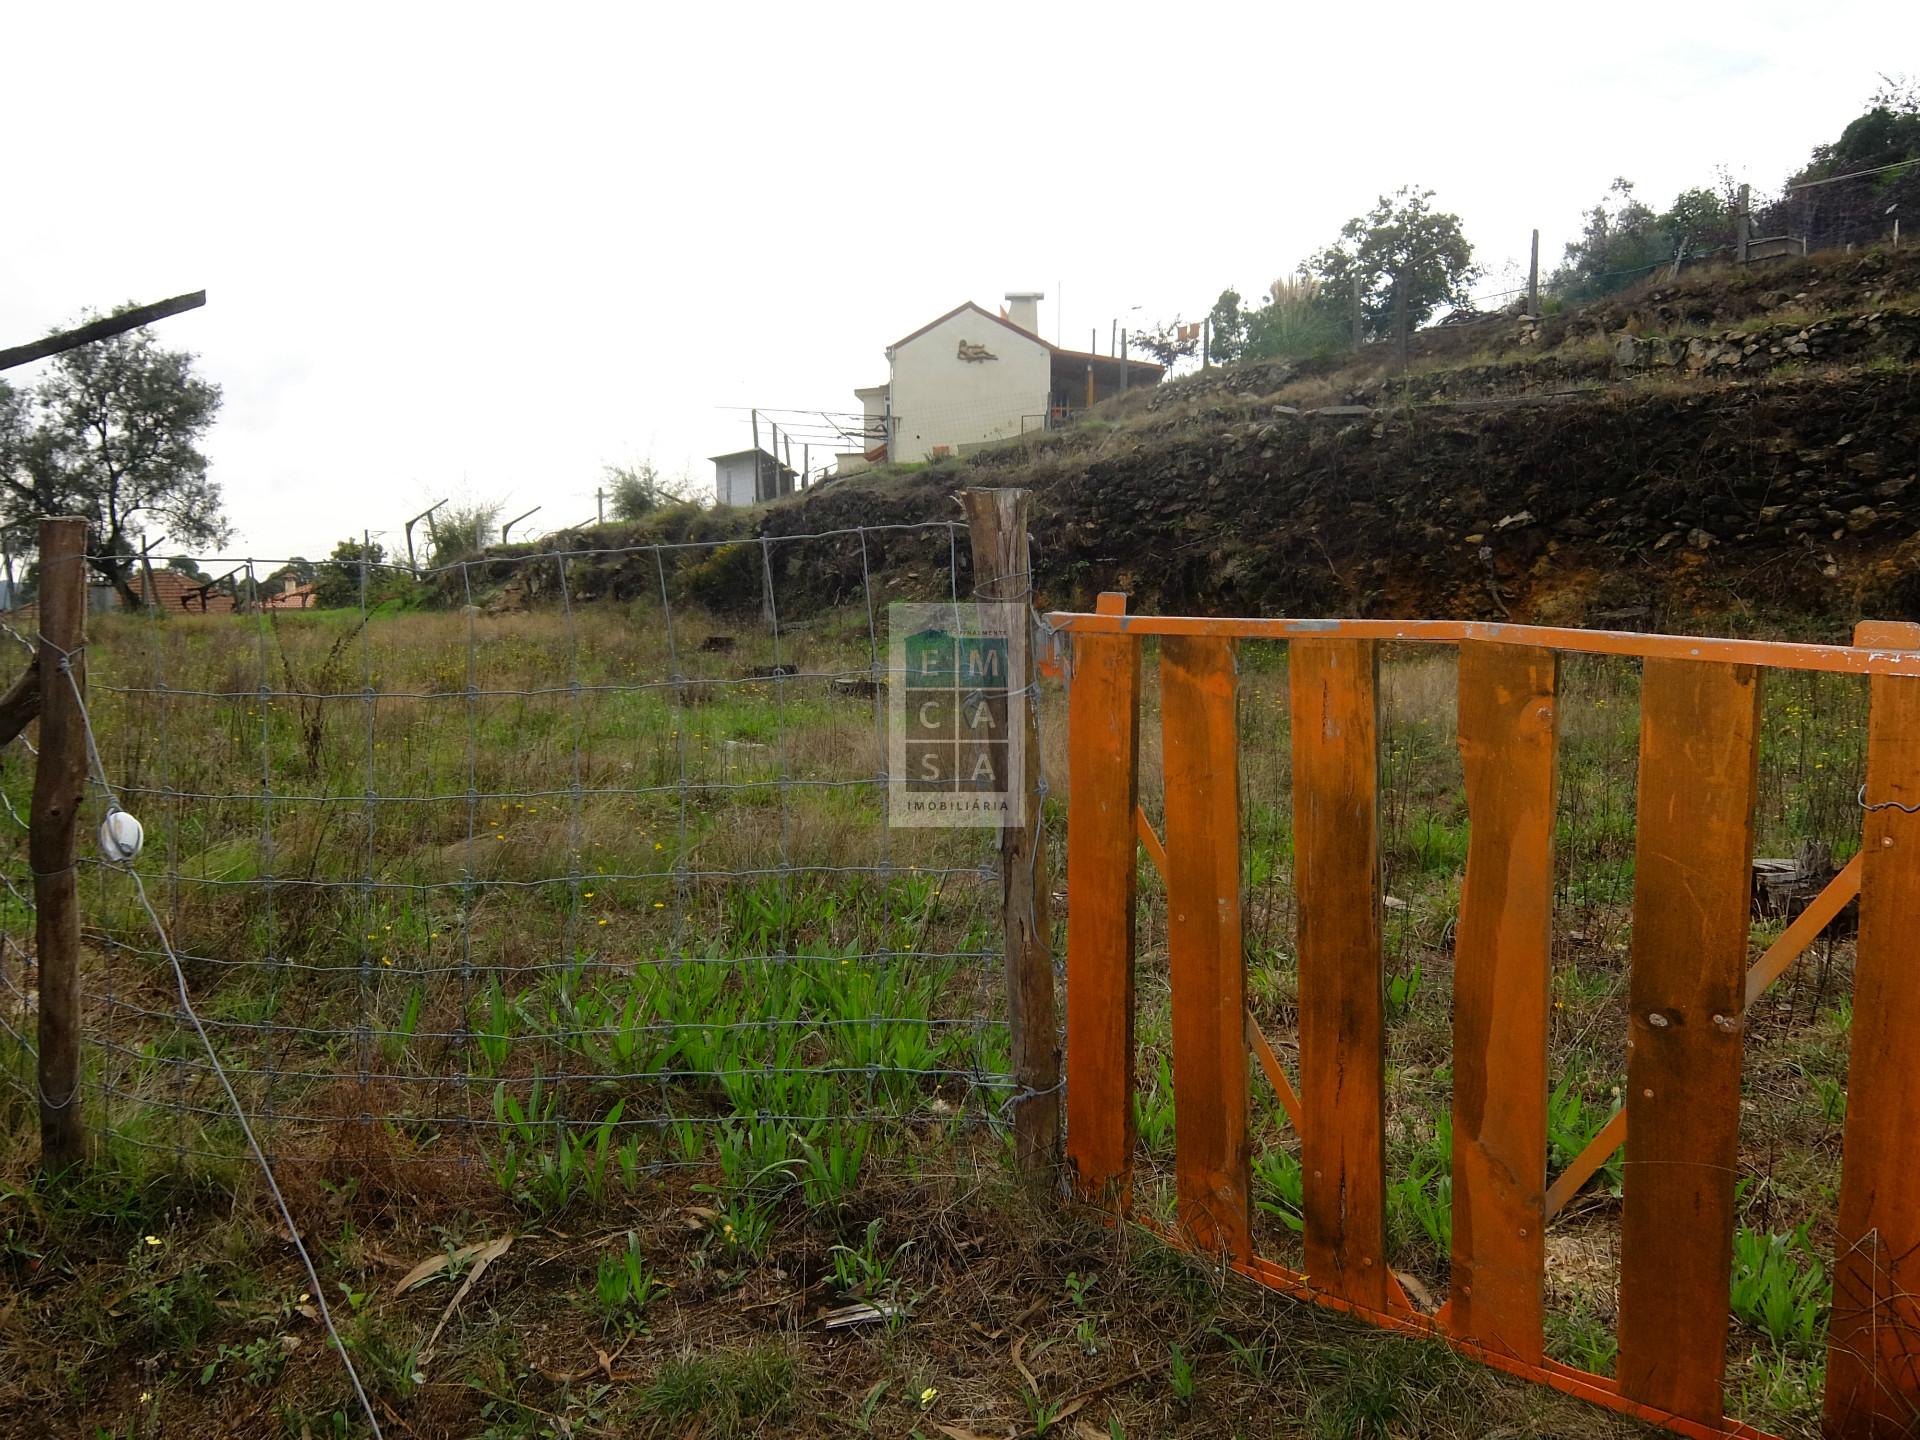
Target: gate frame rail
1690	984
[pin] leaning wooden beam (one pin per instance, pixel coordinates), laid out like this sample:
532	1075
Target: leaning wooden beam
1841	891
20	706
1277	1077
1156	852
1791	945
102	329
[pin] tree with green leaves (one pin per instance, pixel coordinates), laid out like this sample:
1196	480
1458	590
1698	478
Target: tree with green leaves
1168	343
1298	320
1410	259
1886	133
1226	328
1622	239
336	580
460	531
634	491
1853	189
113	433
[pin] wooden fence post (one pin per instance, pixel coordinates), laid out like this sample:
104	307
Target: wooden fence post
997	528
1206	965
59	792
1873	1341
1502	967
1334	699
1103	863
1686	997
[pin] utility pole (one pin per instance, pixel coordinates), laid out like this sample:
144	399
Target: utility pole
1356	311
1743	226
1124	377
1206	344
1533	278
599	505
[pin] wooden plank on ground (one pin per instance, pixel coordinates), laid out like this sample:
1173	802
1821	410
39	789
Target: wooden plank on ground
1202	781
1103	746
1502	966
1873	1339
1336	740
1693	858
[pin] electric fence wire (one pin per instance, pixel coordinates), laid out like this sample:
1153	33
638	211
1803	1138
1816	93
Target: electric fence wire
213	1059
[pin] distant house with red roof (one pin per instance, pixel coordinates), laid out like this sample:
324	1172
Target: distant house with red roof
291	596
171	592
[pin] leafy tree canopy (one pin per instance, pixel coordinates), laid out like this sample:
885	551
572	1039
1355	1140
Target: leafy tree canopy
113	433
1227	328
1887	133
1622	239
460	531
336	581
1169	343
635	490
1403	247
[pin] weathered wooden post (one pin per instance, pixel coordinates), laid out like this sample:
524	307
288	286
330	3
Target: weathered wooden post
997	526
59	792
1533	279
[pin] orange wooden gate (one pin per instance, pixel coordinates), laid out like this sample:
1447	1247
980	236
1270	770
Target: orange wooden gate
1689	989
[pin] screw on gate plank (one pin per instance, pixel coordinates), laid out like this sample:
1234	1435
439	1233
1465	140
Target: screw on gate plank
1658	1021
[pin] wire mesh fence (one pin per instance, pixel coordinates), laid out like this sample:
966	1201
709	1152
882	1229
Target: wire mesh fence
580	872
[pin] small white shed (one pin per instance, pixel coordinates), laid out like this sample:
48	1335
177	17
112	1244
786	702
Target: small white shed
749	477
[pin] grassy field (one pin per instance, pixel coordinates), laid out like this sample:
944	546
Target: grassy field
506	931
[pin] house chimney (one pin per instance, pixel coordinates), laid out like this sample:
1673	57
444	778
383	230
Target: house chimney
1023	309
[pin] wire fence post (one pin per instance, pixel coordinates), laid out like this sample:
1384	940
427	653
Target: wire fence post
1002	571
59	792
1533	278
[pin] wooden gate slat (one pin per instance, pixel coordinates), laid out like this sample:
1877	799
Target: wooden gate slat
1334	709
1502	967
1873	1338
1699	751
1202	779
1103	746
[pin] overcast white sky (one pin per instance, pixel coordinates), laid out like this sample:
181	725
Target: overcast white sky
483	251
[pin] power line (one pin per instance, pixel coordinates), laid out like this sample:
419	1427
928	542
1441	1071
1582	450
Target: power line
1853	174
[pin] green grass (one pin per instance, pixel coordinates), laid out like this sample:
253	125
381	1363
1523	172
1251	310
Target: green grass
579	1006
732	1392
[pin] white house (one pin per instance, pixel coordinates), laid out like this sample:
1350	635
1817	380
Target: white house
747	477
971	378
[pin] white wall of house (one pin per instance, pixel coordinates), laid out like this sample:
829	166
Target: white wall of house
733	480
941	399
